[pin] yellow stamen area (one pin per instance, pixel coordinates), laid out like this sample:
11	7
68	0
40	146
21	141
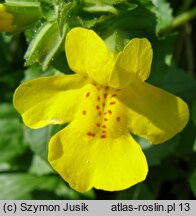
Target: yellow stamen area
101	114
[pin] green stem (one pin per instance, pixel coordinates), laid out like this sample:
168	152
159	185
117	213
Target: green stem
183	18
185	6
189	51
179	20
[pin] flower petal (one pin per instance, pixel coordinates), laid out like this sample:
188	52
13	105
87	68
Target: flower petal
134	61
86	162
88	55
153	113
48	100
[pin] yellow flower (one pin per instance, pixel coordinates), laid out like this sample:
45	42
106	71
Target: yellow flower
105	101
6	20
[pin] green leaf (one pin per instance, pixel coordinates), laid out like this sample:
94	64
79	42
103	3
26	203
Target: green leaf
11	134
25	12
126	7
30	186
5	167
174	80
38	139
114	40
156	153
111	6
193	183
169	179
11	137
65	12
139	22
7	111
40	166
109	2
23	2
65	192
187	139
45	45
47	8
89	22
100	8
20	185
179	83
35	71
11	55
32	72
163	13
137	192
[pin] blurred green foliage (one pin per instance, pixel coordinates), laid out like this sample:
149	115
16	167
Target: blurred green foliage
24	170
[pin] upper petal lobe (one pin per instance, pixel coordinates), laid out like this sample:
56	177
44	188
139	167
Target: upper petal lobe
133	62
88	55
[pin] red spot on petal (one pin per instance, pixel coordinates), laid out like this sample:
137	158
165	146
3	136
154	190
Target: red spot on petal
100	113
103	136
106	87
98	98
103	104
89	133
118	119
105	119
97	107
84	112
103	131
112	103
87	94
110	112
98	124
105	95
114	95
104	126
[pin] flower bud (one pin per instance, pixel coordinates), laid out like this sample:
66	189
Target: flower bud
17	15
6	20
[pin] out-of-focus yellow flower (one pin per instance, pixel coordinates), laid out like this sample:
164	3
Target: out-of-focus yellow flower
6	20
106	100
